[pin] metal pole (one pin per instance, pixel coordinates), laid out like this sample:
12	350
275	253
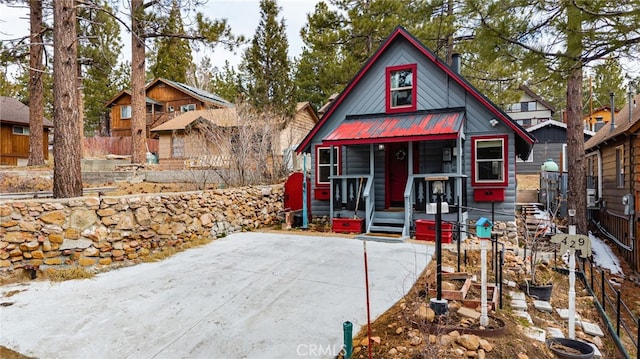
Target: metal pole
347	330
458	231
439	247
366	281
618	311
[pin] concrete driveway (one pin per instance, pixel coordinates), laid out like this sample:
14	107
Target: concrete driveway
249	295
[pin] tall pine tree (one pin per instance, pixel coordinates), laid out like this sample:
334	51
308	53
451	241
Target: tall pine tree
268	85
173	57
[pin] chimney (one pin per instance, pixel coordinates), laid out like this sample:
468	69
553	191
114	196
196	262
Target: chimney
613	111
455	62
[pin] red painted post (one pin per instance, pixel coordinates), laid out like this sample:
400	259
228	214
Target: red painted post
366	283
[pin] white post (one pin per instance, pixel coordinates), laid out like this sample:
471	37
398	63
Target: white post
484	318
572	288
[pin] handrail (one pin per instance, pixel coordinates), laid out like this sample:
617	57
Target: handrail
369	201
408	206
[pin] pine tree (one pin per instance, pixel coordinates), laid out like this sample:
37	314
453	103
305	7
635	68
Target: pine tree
608	78
100	46
36	88
67	176
565	36
173	55
268	85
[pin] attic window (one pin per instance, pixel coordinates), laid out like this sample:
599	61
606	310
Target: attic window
401	88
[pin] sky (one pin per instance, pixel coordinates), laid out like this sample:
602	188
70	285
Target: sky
243	17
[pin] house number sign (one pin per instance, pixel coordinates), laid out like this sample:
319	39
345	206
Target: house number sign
573	242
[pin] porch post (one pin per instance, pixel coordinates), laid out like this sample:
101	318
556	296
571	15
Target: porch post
331	161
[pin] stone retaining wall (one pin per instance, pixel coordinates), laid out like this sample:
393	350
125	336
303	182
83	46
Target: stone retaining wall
102	231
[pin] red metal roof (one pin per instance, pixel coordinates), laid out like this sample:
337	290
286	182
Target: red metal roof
397	128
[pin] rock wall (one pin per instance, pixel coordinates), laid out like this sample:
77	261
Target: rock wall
103	231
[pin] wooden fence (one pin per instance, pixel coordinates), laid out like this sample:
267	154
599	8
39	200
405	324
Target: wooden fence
100	146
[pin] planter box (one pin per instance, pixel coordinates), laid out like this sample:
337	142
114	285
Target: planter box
426	231
450	294
492	297
347	225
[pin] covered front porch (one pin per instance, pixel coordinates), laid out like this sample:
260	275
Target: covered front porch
388	180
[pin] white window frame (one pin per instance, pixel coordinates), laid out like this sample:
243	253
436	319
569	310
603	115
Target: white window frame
336	163
188	107
24	130
500	162
125	112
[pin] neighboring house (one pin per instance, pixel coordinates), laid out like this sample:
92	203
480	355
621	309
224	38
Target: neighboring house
165	100
531	109
613	180
404	127
14	133
180	146
551	142
326	106
598	118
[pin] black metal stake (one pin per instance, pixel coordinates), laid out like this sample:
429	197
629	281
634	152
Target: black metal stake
439	247
458	231
618	311
604	304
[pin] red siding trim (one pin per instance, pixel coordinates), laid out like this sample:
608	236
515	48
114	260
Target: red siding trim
456	77
505	153
414	91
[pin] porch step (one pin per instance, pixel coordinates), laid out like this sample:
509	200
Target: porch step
379	238
391	229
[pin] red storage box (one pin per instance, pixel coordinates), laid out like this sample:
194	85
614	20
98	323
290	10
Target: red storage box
426	231
348	225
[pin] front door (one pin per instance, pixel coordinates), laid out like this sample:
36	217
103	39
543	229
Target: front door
397	173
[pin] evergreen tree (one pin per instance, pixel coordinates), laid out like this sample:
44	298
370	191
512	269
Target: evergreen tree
607	78
320	69
173	54
565	36
268	85
100	46
226	82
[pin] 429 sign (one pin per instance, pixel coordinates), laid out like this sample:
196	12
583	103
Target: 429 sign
573	242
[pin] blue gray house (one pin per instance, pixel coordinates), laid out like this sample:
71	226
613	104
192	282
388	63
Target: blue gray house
406	127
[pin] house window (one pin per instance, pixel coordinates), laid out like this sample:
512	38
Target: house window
125	111
489	160
323	164
177	146
528	160
620	166
20	130
401	88
187	108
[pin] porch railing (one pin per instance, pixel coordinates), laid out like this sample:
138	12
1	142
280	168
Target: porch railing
369	201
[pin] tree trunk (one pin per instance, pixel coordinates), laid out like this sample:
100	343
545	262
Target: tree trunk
36	109
577	181
138	108
67	176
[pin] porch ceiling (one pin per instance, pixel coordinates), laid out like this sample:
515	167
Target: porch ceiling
400	128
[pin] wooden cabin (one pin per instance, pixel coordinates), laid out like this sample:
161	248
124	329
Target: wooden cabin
14	133
180	145
406	130
613	181
165	99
